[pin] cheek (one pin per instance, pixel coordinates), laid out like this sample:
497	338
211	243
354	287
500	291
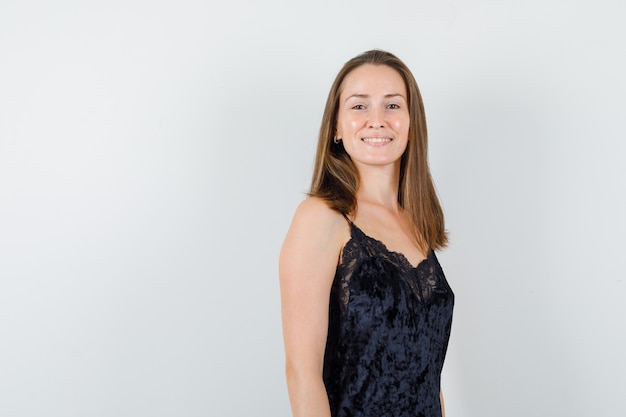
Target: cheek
355	124
401	125
348	125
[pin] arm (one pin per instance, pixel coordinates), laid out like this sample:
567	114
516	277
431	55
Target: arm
443	407
307	266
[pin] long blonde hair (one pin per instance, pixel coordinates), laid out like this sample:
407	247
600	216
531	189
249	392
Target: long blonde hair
336	179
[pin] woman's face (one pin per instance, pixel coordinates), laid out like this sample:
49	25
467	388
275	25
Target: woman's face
373	117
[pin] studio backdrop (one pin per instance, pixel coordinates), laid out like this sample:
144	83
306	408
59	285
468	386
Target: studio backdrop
152	155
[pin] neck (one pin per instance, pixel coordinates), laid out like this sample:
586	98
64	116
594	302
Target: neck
379	186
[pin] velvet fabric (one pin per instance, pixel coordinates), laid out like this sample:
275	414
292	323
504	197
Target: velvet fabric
389	325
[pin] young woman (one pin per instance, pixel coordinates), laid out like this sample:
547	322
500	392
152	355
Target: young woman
366	308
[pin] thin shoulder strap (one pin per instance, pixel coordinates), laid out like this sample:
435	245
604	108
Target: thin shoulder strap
345	216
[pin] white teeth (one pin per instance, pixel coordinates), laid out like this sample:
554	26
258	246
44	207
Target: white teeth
376	140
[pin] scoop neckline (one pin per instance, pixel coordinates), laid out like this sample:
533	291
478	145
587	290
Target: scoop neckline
384	247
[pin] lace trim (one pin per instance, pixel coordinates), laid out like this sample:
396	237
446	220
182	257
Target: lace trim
425	280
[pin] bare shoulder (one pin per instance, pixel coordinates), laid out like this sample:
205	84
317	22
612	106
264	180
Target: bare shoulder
317	232
314	217
315	210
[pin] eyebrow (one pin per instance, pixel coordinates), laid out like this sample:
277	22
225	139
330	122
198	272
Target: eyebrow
367	96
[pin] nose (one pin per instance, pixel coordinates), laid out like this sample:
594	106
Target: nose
376	119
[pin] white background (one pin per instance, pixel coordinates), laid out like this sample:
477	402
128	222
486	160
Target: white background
152	154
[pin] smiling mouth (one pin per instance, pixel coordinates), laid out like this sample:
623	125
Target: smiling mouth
376	141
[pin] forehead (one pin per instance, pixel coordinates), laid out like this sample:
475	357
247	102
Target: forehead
371	79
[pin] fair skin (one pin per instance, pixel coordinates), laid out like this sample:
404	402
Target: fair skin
373	123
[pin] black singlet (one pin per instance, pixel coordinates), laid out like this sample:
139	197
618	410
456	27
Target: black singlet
389	325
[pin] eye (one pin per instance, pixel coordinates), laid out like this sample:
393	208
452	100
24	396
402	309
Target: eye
358	107
393	106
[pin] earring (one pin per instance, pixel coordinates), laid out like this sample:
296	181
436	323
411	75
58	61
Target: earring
336	140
